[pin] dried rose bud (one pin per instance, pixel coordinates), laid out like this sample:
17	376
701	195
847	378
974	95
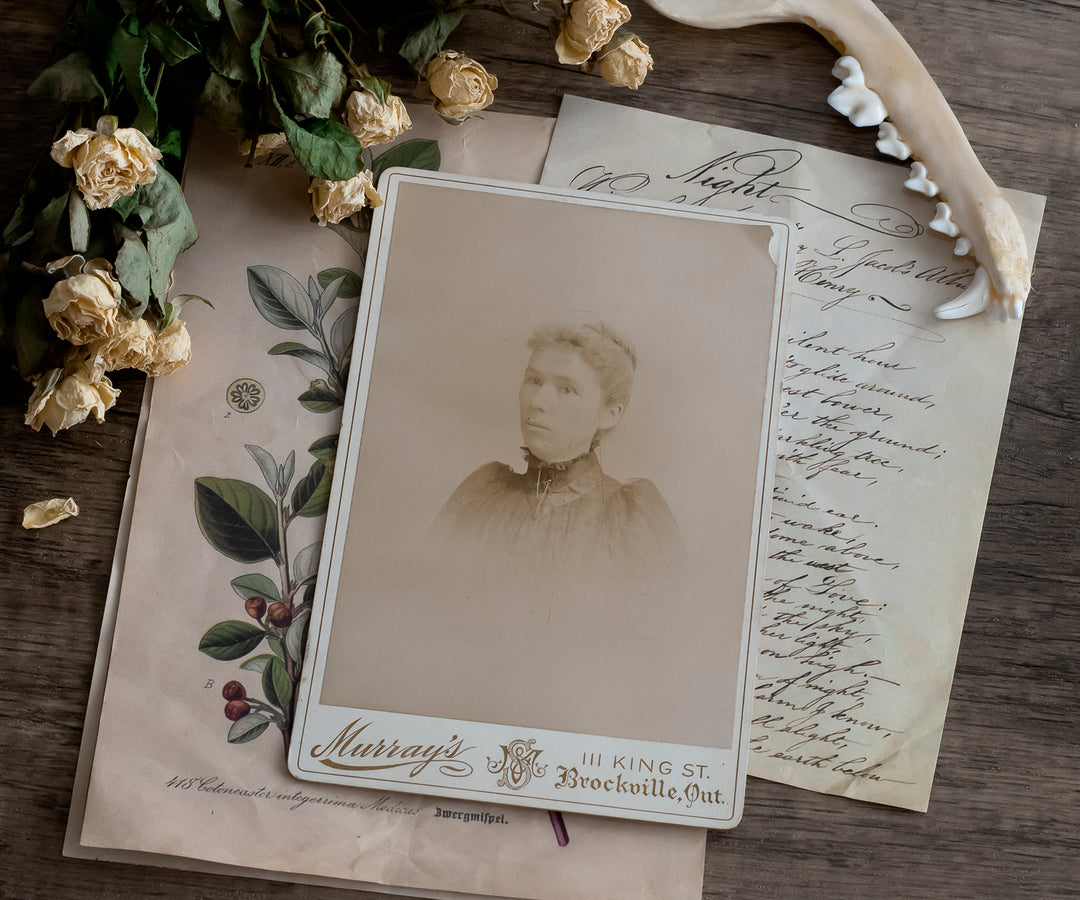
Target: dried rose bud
255	607
237	709
233	690
279	614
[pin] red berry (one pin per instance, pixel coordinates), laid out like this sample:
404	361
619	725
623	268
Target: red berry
237	709
233	690
279	614
255	607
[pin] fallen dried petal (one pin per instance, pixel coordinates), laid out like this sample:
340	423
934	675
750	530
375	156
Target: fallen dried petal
48	512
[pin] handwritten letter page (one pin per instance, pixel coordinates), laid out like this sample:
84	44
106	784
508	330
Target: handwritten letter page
889	428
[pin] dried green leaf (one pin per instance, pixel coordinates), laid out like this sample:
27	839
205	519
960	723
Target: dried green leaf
71	80
327	149
313	83
424	43
413	154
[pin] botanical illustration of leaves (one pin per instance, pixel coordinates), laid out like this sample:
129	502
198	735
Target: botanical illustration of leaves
342	334
257	663
71	80
276	683
296	639
312	82
319	398
306	564
288	469
311	496
351	285
255	585
300	351
231	640
237	519
266	463
413	154
325	448
248	728
279	297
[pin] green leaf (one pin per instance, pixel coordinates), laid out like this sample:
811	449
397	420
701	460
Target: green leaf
130	52
424	43
237	50
72	80
327	149
279	297
35	342
237	519
255	585
287	470
52	231
170	228
311	496
342	334
257	663
296	638
313	83
248	728
325	448
306	563
207	10
133	270
266	463
170	42
307	354
171	144
231	640
378	87
413	154
276	684
227	104
319	398
351	283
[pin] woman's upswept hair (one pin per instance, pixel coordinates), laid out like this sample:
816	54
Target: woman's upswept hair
608	354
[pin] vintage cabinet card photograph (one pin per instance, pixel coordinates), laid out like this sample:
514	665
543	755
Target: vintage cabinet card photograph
546	527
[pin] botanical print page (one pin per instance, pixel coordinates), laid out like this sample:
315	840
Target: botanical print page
189	764
889	428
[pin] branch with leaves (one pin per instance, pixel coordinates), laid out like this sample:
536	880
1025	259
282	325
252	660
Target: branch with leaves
87	256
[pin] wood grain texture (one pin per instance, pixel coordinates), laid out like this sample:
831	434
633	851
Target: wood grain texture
1004	817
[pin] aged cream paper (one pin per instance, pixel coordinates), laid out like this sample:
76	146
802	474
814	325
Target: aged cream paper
165	784
889	428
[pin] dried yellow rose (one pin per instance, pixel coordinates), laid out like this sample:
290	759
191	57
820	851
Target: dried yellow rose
374	122
84	307
107	166
461	85
48	512
587	27
627	64
130	346
337	200
171	350
70	400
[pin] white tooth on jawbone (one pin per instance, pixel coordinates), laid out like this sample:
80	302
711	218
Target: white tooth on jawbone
900	82
919	182
974	300
963	247
890	143
853	98
942	221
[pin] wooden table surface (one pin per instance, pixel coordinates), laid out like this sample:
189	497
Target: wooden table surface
1004	817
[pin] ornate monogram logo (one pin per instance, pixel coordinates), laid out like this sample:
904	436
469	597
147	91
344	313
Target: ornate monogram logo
518	764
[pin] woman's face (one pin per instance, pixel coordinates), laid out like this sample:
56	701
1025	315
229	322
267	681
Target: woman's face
562	404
